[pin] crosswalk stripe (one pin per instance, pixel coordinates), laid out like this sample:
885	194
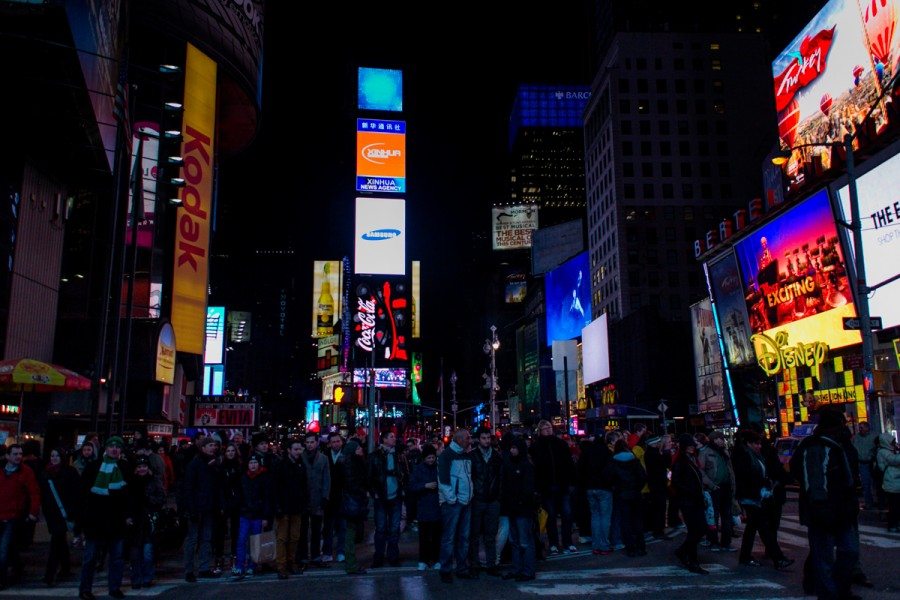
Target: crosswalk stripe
641	572
639	587
866	540
21	592
862	528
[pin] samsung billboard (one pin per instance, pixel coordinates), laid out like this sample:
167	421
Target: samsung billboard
380	238
568	299
879	211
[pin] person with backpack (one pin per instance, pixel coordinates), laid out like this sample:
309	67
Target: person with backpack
887	463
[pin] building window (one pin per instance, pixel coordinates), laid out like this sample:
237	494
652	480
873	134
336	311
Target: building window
672	257
643	86
652	257
705	169
686	169
634	278
668	190
626	127
627	148
646	169
681	107
680	86
628	169
662	106
641	64
633	257
657	64
643	107
646	148
724	169
666	167
624	107
662	86
664	127
670	231
629	191
689	212
648	191
665	148
644	127
624	86
700	106
674	302
687	191
653	278
684	148
719	108
702	128
678	63
716	65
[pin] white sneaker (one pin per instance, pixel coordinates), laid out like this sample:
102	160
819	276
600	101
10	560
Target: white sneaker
571	549
340	558
436	566
326	558
423	567
554	550
584	540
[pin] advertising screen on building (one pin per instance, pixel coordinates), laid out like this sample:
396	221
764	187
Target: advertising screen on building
879	212
832	72
795	279
215	336
513	226
529	367
224	415
240	326
145	141
380	319
384	377
380	236
380	89
380	156
312	410
515	287
568	299
728	293
165	354
416	300
328	355
326	300
190	272
552	246
707	358
213	380
595	350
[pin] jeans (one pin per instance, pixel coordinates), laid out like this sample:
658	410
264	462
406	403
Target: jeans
831	574
722	504
429	541
287	536
143	571
115	570
457	522
199	534
601	503
8	551
229	523
352	526
656	512
557	502
521	539
246	528
865	479
632	522
387	529
893	501
695	519
502	535
59	556
310	537
485	522
759	520
333	532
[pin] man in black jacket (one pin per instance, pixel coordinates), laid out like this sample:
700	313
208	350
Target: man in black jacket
290	502
554	472
828	505
387	479
486	466
202	501
333	526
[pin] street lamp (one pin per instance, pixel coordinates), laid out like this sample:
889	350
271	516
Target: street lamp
490	347
862	289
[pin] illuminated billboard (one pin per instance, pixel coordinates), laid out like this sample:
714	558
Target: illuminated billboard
795	278
380	239
552	246
240	326
380	319
731	306
328	355
190	272
416	300
595	350
568	299
707	358
380	156
214	353
832	72
380	89
384	377
879	212
145	141
224	415
213	380
326	298
515	287
513	226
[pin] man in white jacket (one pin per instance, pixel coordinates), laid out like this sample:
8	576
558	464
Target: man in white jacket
455	495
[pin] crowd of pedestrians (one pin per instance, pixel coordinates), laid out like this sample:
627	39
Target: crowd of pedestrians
476	503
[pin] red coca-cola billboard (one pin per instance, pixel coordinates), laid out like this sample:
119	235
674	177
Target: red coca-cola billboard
830	76
380	319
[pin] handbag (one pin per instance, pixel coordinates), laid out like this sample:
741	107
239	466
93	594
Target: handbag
262	547
69	523
354	506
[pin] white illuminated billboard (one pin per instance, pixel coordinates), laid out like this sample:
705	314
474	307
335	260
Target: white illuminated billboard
214	353
380	238
595	350
879	211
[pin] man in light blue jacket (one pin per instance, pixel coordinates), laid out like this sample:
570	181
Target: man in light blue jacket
455	492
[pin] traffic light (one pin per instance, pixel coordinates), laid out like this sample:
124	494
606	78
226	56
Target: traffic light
342	392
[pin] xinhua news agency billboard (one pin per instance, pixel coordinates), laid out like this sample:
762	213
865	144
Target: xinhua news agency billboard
796	281
380	156
879	210
380	89
833	72
380	238
568	299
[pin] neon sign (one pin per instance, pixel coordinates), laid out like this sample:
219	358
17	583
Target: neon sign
774	355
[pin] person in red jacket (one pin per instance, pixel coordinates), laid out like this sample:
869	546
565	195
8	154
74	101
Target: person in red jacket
20	500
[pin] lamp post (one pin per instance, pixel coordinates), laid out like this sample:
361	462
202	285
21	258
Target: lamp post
862	288
490	347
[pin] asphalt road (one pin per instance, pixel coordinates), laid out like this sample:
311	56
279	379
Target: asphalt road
568	576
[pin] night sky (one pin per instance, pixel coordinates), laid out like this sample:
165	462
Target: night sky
295	184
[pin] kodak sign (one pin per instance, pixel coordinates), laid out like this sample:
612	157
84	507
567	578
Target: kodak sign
189	284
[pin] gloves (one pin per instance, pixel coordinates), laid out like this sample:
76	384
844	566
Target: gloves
765	493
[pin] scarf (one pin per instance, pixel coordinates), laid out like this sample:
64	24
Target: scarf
109	477
255	474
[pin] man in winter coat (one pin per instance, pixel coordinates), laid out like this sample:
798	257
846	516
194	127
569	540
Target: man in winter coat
318	486
202	501
388	475
455	495
828	505
291	493
486	466
554	472
887	461
715	463
20	500
333	531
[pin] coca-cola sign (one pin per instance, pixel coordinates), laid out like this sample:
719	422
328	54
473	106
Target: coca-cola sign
381	318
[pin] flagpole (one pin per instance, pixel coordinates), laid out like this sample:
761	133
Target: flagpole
441	380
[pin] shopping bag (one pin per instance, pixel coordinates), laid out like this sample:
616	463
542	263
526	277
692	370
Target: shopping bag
262	547
542	520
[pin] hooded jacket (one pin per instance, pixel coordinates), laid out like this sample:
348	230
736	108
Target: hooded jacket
626	475
517	492
888	463
827	491
455	475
